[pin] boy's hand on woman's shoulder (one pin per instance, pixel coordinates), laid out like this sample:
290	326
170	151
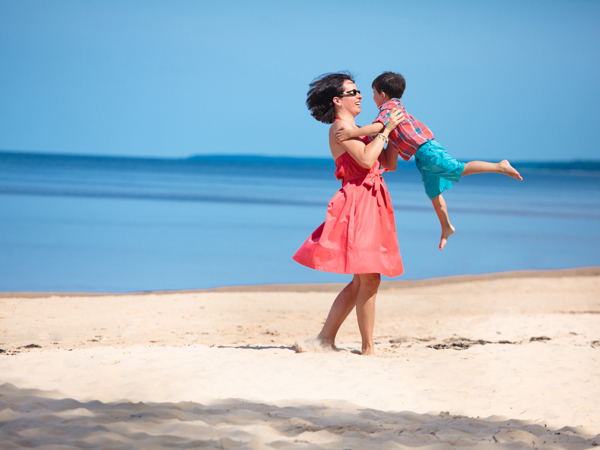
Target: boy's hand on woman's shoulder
342	135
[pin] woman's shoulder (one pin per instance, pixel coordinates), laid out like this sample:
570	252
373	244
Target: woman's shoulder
337	123
337	149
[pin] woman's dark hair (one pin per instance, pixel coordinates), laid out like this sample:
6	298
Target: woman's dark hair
320	95
393	84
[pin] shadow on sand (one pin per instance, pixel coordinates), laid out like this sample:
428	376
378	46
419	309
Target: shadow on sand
258	347
33	418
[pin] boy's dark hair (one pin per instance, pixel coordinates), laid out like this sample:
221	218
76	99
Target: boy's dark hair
393	84
321	93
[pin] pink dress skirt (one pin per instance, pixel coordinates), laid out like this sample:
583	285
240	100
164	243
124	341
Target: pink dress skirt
359	232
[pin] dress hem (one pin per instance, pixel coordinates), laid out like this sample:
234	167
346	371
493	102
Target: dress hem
352	264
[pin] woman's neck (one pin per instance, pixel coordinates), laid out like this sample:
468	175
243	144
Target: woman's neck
345	116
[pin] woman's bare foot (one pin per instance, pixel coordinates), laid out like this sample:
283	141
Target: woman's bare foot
368	350
509	170
315	345
446	233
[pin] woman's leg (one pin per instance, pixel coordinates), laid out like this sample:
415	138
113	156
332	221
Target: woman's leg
503	167
342	306
365	310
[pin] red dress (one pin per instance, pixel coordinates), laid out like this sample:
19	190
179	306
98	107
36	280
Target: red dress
359	232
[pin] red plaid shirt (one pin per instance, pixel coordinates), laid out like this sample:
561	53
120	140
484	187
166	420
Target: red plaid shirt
409	135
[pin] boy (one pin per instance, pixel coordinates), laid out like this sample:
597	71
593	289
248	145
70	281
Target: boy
411	137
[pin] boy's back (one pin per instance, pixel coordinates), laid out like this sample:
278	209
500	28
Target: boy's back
409	135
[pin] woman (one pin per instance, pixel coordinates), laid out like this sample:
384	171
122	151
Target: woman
359	234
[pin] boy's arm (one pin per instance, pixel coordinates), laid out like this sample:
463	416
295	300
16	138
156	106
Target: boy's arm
345	134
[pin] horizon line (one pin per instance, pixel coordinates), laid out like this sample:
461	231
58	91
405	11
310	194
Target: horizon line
253	155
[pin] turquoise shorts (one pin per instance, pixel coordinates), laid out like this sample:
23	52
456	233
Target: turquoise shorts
437	168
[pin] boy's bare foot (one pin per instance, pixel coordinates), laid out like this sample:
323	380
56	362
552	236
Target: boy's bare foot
509	170
446	233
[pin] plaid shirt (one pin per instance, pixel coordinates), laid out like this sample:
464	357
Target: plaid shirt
409	135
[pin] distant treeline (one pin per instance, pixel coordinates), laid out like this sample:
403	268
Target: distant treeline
563	165
590	165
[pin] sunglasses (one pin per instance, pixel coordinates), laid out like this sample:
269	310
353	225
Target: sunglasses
351	92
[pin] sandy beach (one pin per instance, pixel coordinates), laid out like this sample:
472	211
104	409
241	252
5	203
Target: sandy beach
509	360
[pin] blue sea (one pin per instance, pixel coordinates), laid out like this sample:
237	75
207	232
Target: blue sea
106	224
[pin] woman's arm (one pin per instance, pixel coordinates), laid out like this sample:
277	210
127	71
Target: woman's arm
365	155
389	158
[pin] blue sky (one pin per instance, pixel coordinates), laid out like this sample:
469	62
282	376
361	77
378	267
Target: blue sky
492	79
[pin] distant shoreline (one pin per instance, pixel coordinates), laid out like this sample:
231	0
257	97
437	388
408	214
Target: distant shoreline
335	287
566	165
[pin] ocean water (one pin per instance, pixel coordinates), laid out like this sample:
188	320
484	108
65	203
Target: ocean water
102	224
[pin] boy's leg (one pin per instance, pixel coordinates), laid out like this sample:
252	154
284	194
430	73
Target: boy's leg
439	204
438	170
503	167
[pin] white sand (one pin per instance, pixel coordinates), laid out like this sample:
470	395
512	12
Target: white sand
242	386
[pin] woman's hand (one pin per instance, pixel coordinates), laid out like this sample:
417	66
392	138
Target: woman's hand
396	117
